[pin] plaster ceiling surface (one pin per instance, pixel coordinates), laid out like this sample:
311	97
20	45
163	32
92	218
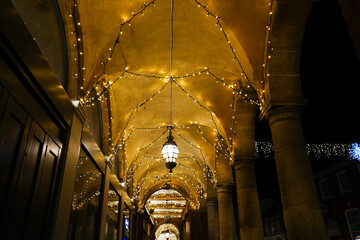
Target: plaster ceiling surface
202	105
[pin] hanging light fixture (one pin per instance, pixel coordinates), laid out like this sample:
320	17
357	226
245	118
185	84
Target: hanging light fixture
170	150
167	234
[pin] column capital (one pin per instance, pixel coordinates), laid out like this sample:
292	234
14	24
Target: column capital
244	162
212	202
225	187
80	113
283	113
245	159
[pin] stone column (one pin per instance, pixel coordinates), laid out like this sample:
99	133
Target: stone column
224	187
187	229
226	212
213	220
248	200
302	215
244	165
68	169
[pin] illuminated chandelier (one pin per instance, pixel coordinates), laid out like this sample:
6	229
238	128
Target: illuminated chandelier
170	150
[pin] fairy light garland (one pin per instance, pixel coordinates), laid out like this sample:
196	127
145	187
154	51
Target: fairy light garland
157	180
78	199
109	84
133	167
194	203
122	135
199	188
78	45
268	50
226	36
141	12
209	13
318	150
87	101
117	41
146	147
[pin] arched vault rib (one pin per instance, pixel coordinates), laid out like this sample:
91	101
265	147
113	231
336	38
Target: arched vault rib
205	116
213	122
188	6
196	179
177	185
159	160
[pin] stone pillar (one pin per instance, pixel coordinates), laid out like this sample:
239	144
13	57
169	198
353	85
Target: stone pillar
226	212
70	159
213	220
302	215
187	230
244	165
139	225
224	187
248	200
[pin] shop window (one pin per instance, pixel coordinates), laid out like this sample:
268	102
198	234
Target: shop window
343	180
279	224
272	225
126	222
112	218
353	221
324	188
84	216
267	227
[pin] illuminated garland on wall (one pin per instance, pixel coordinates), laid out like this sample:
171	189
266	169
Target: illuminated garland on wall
205	169
268	50
194	203
79	200
78	45
124	138
107	85
199	188
318	151
141	12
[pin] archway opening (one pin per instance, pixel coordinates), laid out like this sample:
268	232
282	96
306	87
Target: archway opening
167	231
166	205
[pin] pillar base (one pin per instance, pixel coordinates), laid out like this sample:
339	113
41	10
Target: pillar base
226	212
301	208
248	200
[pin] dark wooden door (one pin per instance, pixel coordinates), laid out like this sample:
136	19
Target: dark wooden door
24	184
13	121
43	193
29	161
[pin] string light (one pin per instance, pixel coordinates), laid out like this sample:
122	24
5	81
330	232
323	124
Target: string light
226	36
133	167
107	85
318	150
77	33
268	50
192	200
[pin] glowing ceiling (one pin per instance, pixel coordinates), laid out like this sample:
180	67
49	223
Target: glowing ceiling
217	57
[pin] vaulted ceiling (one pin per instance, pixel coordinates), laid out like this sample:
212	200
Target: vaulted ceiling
218	55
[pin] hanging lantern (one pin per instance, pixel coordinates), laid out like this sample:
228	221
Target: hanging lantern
170	152
167	234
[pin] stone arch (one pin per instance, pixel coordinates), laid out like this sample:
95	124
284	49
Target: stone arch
158	186
173	227
282	55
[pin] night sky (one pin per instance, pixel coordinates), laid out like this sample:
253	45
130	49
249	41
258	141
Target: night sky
330	75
